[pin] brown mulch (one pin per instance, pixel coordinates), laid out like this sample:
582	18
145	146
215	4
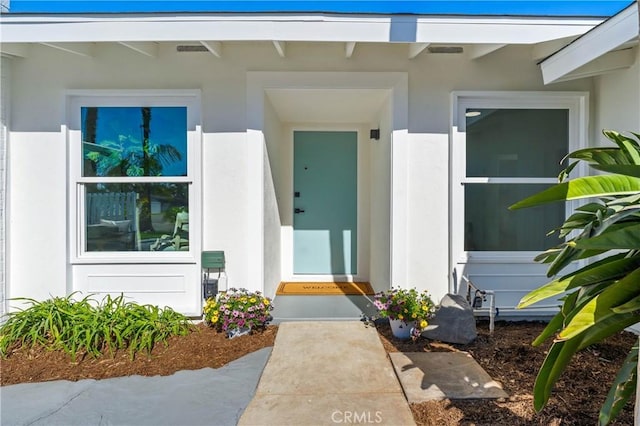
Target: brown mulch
205	347
507	356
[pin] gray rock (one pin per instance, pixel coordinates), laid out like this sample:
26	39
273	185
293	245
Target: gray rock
453	322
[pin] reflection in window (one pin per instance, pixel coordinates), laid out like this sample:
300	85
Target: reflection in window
115	216
516	142
129	152
490	226
134	141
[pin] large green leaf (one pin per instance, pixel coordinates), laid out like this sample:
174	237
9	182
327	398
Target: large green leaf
600	307
632	305
622	388
621	169
584	187
551	329
622	236
554	364
561	352
607	269
627	145
606	155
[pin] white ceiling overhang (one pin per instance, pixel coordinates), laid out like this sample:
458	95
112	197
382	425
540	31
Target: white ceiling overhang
607	47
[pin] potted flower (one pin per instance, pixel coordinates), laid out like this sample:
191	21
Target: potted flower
407	309
237	311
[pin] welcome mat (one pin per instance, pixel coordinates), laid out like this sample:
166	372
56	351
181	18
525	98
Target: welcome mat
323	289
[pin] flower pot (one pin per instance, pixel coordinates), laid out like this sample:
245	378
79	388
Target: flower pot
401	329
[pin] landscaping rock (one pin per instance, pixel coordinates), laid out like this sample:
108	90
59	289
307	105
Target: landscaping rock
453	321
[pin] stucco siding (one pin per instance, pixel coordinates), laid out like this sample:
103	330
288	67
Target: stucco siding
38	172
4	119
617	101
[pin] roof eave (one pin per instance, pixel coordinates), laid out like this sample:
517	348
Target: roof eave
302	27
612	34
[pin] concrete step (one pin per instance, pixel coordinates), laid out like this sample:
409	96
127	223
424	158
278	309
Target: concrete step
338	307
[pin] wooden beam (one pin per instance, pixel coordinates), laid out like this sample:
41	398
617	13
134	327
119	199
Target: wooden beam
480	50
19	50
80	49
416	48
215	47
147	48
612	61
281	47
348	48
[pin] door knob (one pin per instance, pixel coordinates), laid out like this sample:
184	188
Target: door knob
298	211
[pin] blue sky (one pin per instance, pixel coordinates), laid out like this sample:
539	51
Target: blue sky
465	7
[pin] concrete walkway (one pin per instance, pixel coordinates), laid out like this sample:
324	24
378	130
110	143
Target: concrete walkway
327	373
188	398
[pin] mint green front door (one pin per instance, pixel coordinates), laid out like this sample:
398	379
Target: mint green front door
325	202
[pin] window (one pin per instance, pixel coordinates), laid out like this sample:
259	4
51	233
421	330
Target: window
134	178
511	149
505	147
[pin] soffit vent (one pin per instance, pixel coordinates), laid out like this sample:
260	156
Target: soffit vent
445	49
191	48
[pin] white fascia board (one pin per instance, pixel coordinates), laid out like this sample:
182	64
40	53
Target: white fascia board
321	28
608	36
609	62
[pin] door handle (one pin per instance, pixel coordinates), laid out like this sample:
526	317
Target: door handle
298	211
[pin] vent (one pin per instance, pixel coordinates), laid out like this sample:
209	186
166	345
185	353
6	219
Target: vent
445	49
191	48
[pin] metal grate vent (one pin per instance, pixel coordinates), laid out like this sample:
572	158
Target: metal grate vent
191	48
445	49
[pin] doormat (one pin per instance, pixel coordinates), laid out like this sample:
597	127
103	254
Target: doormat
323	289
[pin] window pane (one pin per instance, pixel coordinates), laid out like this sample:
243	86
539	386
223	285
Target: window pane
137	217
516	142
490	226
134	141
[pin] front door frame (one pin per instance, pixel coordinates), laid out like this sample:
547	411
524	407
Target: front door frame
397	83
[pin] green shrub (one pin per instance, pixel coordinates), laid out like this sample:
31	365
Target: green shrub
62	323
601	297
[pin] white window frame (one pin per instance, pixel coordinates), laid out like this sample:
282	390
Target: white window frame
76	99
577	104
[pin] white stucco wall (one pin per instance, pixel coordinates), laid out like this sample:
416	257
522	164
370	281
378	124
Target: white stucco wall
4	120
617	101
232	216
380	201
274	141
